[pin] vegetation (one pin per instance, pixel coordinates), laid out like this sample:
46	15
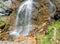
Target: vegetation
48	39
42	33
1	22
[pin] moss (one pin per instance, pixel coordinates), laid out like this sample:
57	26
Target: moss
2	23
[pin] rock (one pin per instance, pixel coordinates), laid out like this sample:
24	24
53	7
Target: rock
26	40
57	16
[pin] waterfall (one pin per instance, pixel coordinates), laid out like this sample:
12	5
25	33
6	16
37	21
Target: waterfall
23	19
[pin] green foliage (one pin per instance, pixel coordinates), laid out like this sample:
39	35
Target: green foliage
58	34
48	39
39	36
1	22
43	40
54	25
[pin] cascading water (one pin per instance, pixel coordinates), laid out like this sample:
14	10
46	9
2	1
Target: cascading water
23	19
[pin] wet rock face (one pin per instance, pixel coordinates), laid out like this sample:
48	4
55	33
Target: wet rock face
57	13
40	12
6	2
57	16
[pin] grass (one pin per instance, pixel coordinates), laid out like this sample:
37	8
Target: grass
48	39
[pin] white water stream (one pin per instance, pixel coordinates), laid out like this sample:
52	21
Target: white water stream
23	19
